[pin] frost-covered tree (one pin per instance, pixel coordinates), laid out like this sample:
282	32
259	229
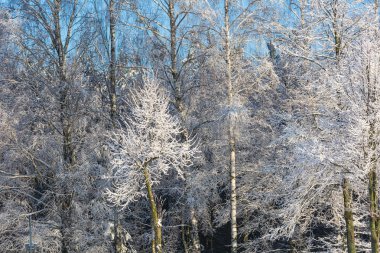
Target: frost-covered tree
323	142
233	24
360	85
148	148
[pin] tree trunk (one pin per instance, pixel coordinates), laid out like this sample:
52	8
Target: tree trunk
118	234
184	235
336	33
350	232
66	214
68	154
376	7
373	211
156	223
372	185
173	59
196	245
179	104
118	237
231	130
112	64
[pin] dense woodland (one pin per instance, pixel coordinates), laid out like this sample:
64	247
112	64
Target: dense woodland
190	126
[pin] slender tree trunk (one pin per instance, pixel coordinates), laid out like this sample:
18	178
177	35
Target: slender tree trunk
118	235
336	33
184	235
66	214
196	245
376	7
153	246
231	130
372	184
112	64
173	59
68	159
373	211
350	232
68	154
156	223
179	104
372	191
68	150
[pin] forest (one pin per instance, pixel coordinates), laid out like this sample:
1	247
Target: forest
189	126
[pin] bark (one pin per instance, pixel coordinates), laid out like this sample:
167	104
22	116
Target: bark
153	246
372	184
350	231
302	13
336	34
118	235
173	59
196	245
373	211
66	219
67	134
112	66
156	223
184	235
68	148
118	239
231	130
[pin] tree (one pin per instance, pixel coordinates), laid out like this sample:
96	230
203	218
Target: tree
56	139
231	126
174	30
112	63
234	36
148	148
363	84
328	110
